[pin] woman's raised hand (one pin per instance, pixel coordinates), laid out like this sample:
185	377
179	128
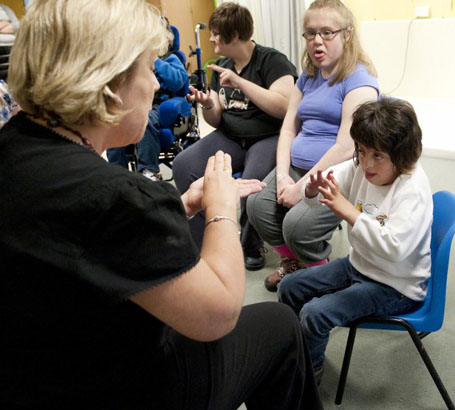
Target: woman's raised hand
192	199
221	192
201	97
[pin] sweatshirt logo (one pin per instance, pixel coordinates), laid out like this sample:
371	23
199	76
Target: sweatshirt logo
372	209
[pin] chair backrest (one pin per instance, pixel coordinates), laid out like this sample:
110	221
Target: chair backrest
4	61
442	232
176	45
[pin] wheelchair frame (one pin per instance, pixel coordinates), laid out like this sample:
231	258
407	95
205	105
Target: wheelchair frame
190	124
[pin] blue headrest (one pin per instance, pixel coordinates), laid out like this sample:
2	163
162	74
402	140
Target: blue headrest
176	43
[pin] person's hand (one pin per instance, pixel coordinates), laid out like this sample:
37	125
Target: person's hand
6	27
201	97
249	186
227	77
281	182
289	195
193	197
221	192
316	180
333	198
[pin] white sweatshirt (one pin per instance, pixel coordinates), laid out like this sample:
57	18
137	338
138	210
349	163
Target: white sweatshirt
390	239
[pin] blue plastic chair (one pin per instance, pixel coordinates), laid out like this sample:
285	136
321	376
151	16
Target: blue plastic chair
430	316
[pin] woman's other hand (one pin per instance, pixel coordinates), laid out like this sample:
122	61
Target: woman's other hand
287	191
290	195
249	186
193	197
201	97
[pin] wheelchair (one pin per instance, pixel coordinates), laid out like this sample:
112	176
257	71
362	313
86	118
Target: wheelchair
179	125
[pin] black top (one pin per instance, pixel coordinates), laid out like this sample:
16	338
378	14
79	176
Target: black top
241	117
78	236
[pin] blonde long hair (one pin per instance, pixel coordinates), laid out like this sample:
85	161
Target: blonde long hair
353	53
70	56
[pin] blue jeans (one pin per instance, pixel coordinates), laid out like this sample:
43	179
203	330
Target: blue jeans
148	148
336	294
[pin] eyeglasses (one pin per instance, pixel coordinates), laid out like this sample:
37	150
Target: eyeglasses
325	34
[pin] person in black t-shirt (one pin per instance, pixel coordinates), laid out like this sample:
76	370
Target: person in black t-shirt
250	90
106	303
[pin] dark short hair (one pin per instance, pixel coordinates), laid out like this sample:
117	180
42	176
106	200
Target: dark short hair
230	19
388	125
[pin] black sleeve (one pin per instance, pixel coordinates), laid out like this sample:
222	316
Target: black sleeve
274	66
141	236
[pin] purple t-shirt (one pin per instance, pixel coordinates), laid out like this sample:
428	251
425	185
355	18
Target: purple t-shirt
320	113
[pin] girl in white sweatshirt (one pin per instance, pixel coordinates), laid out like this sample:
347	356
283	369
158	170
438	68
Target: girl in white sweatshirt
385	198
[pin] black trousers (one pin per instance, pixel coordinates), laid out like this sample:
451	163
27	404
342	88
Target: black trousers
254	160
263	362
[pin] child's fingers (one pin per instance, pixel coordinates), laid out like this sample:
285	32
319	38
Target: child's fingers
325	192
325	202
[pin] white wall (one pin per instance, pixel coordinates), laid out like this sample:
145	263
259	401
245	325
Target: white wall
415	60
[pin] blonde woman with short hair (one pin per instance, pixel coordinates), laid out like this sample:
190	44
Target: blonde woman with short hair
107	303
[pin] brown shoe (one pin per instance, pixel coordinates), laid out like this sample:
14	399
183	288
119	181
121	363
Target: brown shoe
285	267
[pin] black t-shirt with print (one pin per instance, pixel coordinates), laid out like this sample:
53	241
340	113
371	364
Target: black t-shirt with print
241	117
79	236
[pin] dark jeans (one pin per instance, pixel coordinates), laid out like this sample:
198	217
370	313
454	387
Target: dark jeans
263	362
336	294
148	148
255	161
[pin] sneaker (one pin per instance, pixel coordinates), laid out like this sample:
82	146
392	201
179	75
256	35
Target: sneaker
285	267
153	176
255	260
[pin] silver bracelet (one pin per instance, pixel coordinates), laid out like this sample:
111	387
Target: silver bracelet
206	108
217	218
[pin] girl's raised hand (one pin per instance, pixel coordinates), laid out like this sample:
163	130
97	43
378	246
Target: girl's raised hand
334	199
316	181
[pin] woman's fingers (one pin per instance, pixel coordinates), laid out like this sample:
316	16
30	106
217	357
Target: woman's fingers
227	163
210	165
249	186
220	162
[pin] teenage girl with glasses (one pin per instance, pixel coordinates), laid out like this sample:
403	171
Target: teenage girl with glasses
337	77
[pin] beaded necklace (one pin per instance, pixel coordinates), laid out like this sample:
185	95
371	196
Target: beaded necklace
84	141
55	123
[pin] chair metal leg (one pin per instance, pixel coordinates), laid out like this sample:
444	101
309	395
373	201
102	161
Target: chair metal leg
346	362
429	364
423	334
